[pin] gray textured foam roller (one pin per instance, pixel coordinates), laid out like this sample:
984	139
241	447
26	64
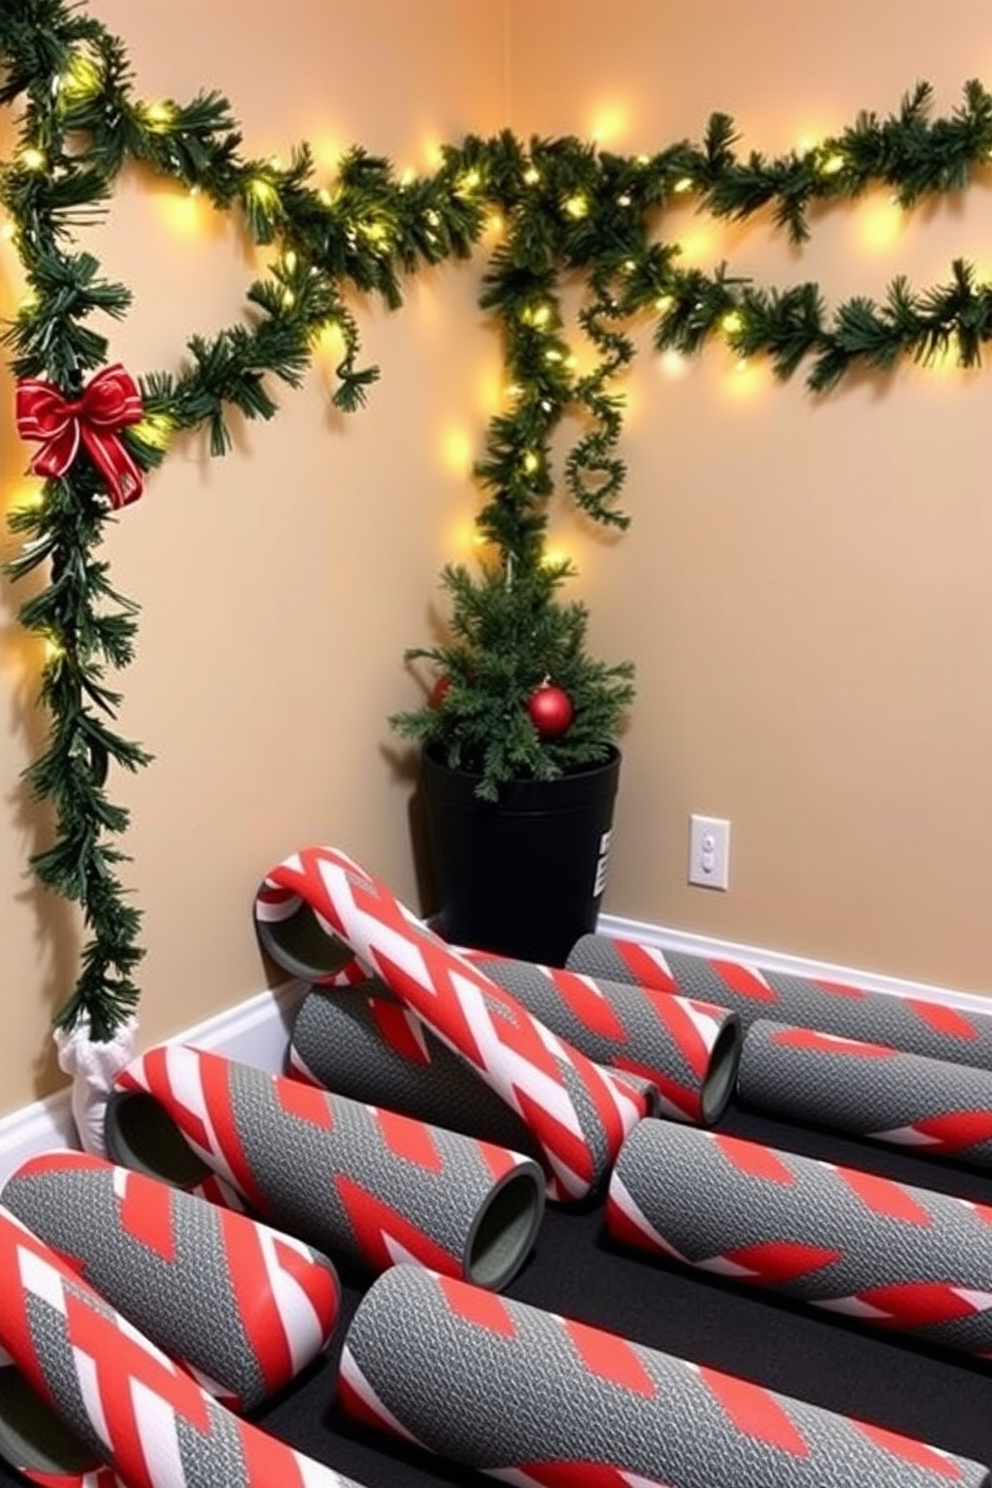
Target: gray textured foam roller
887	1254
244	1306
914	1024
687	1048
362	1043
121	1400
535	1398
929	1106
366	1185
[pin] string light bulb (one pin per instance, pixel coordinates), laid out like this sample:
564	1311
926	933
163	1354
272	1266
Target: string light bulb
732	322
81	79
27	498
262	191
577	206
537	316
159	116
155	430
32	158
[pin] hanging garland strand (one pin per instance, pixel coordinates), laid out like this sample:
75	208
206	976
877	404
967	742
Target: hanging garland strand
572	215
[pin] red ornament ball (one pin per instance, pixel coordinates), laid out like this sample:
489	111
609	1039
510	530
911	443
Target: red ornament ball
440	691
551	711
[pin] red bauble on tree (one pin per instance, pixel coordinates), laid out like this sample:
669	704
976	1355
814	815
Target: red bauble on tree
550	710
440	691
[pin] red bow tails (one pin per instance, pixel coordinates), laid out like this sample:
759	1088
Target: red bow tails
109	401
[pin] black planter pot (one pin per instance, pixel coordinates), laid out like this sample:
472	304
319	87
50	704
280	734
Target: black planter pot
523	876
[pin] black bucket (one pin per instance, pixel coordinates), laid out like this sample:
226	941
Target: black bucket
522	876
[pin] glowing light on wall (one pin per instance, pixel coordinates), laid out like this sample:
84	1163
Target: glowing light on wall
457	450
433	153
183	212
329	347
465	542
608	124
746	378
878	224
699	245
327	152
673	365
25	495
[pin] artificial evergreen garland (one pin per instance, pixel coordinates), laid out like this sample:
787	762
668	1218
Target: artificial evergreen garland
571	212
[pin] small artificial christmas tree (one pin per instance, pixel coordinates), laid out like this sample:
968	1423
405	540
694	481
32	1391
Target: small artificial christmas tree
515	693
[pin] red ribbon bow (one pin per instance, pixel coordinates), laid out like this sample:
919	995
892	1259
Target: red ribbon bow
108	402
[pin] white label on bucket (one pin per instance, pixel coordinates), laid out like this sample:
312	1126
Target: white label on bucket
602	864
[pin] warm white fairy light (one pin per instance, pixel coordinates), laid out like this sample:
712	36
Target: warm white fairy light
81	79
262	191
159	116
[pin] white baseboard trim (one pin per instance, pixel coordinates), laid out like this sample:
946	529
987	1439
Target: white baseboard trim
664	938
257	1030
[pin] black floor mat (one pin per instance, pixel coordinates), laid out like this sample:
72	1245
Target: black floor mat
940	1397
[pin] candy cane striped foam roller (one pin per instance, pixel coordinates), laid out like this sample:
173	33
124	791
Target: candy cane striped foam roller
537	1399
914	1024
578	1111
884	1253
935	1108
689	1050
366	1185
125	1400
364	1044
242	1305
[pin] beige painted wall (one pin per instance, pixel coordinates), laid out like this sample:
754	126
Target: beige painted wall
805	591
280	585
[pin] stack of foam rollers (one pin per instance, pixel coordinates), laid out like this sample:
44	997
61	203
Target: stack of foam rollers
437	1104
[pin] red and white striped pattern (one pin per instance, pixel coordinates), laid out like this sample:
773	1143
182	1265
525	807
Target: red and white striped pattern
578	1111
687	1049
535	1398
138	1409
894	1256
272	1302
367	1185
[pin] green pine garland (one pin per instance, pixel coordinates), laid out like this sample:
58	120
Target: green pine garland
573	215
